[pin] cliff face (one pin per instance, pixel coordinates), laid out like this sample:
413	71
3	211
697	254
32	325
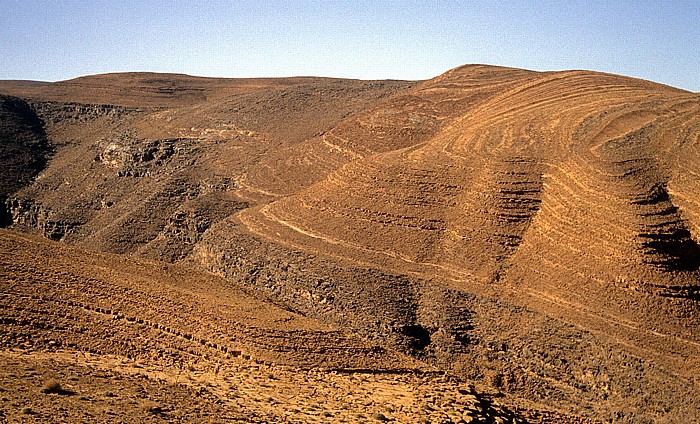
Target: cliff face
24	151
23	145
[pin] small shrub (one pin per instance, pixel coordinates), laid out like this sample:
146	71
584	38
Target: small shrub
52	386
151	408
380	417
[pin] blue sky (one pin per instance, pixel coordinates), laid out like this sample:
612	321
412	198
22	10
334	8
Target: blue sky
55	40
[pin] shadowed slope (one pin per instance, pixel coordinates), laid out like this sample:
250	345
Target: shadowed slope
23	144
24	150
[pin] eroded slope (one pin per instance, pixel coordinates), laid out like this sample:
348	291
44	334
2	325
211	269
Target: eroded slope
24	149
569	193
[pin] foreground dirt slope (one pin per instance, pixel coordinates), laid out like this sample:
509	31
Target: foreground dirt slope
533	232
143	341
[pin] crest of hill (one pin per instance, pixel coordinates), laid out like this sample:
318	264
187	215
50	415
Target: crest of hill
148	89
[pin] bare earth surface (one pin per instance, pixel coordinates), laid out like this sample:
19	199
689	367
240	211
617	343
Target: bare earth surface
491	245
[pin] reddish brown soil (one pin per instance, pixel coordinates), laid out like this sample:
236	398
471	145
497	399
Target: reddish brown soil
534	234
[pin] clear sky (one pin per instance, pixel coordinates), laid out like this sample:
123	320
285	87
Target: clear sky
412	39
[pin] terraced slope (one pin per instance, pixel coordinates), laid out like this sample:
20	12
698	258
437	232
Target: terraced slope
410	117
568	192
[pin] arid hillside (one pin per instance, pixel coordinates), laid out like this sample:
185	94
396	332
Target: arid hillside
534	234
141	341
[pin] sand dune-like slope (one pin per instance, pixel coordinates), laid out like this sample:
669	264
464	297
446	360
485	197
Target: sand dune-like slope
574	192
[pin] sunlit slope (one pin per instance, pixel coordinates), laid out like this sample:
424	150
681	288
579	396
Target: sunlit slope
575	186
406	119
